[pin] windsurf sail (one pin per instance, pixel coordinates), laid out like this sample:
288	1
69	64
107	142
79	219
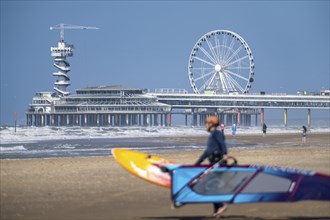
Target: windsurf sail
246	184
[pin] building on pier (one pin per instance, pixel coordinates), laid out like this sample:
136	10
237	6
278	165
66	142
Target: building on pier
98	106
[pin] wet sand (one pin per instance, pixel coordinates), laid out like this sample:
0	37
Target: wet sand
98	188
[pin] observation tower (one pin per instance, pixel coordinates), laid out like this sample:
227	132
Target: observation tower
61	52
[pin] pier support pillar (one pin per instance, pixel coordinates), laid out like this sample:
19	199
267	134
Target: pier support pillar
262	116
109	119
51	120
194	120
139	116
238	117
202	119
229	119
127	120
162	119
221	118
145	121
156	122
150	120
28	122
309	119
67	119
285	117
134	120
169	119
116	120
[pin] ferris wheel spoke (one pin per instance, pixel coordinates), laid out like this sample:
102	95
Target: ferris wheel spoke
224	43
238	60
217	44
202	88
221	81
205	75
238	67
211	80
228	50
205	84
235	83
234	54
200	59
207	54
238	86
227	85
235	74
212	50
203	68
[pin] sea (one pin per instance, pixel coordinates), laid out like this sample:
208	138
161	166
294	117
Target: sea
50	142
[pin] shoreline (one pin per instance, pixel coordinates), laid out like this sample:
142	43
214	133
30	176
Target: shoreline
36	135
99	147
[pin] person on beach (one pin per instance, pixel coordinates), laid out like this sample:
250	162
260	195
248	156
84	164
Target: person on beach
216	150
303	134
264	129
222	129
233	129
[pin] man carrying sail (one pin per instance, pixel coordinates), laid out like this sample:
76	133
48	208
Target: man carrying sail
215	151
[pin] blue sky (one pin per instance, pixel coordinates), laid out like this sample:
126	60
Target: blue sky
147	44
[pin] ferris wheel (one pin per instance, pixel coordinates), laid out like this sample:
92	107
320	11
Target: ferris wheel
221	62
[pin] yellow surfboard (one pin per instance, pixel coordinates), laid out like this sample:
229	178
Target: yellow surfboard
143	165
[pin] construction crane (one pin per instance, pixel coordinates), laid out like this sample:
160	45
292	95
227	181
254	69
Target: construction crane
70	26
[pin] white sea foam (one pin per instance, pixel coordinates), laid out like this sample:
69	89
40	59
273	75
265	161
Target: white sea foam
35	134
12	148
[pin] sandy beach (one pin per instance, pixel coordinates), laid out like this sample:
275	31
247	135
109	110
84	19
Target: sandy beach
98	188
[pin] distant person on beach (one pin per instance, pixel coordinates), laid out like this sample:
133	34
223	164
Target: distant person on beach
264	129
233	129
303	134
216	150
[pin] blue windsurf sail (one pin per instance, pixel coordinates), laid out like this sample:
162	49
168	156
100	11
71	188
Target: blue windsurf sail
246	184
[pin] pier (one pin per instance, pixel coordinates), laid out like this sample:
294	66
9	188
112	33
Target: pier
123	106
220	74
239	109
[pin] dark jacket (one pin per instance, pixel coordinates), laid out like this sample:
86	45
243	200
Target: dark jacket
215	144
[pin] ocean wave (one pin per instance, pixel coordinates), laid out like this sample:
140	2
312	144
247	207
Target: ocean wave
13	149
35	134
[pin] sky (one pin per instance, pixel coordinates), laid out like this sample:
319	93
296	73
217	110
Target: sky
147	44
